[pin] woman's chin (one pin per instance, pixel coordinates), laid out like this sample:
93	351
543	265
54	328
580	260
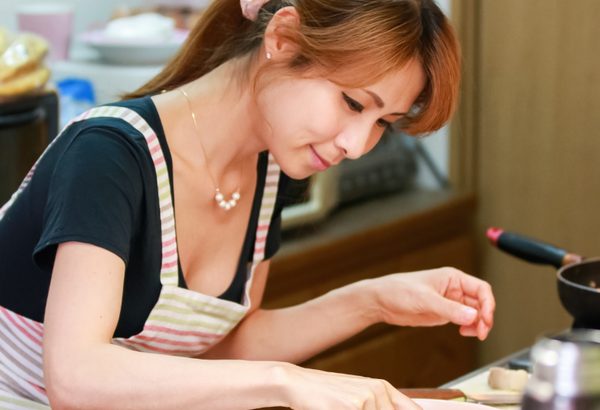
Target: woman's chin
299	175
297	172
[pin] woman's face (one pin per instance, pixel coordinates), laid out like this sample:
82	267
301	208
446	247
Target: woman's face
316	124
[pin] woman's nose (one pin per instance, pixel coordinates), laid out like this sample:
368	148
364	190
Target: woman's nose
352	143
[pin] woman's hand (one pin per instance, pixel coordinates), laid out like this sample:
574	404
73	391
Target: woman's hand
436	297
308	389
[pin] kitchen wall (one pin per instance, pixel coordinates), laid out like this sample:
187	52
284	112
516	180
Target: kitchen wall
532	138
436	144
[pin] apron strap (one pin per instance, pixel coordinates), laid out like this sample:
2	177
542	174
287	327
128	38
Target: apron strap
264	221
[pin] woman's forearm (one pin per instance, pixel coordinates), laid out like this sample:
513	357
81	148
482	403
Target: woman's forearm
82	370
108	376
297	333
425	298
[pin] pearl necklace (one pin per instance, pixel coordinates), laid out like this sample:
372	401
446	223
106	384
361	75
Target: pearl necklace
226	205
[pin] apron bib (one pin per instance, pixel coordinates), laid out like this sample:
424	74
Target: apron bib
182	323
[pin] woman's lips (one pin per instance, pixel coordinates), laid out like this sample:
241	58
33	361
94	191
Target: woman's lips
318	162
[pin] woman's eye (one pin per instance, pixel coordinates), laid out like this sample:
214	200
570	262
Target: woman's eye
384	124
353	104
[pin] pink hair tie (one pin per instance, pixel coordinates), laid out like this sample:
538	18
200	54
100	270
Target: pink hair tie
250	8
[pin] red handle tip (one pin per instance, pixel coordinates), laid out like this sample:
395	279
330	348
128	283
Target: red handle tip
493	234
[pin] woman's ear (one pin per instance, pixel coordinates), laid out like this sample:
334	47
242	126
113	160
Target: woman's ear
279	40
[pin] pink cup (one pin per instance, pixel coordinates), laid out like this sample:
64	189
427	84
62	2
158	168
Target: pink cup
54	22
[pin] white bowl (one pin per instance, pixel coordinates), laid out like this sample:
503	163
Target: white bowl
139	52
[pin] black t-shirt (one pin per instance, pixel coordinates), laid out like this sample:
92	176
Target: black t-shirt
97	184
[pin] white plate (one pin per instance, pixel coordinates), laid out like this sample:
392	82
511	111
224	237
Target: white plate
430	404
134	53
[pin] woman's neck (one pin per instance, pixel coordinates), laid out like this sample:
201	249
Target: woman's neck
226	119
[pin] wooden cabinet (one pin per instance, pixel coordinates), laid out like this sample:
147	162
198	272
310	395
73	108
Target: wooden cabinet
407	232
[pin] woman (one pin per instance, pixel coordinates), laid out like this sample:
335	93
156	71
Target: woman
138	314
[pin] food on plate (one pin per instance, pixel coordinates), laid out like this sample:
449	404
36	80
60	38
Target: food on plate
22	68
5	37
506	379
142	27
23	57
29	82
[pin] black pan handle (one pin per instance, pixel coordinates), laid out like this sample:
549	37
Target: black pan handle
529	249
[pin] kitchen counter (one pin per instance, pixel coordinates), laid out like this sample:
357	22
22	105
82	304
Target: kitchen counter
373	217
470	383
521	354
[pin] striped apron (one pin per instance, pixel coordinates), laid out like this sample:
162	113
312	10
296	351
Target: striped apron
183	322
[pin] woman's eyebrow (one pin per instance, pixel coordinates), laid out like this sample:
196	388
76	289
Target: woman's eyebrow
376	98
379	101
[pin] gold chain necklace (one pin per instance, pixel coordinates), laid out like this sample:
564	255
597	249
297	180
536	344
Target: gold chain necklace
226	205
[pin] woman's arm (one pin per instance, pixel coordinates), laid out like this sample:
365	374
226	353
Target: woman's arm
84	371
294	334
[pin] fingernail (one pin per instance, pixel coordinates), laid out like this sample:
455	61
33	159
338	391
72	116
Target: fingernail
469	314
468	331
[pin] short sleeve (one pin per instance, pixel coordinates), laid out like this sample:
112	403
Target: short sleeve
95	191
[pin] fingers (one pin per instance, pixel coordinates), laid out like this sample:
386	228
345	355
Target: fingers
380	395
478	294
483	329
439	295
453	311
376	398
469	331
479	329
399	400
319	390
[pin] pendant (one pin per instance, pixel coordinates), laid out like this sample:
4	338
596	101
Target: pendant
227	205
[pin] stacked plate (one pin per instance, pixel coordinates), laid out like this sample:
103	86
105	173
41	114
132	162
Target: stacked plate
140	40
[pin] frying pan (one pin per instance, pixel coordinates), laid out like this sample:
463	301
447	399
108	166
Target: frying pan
578	279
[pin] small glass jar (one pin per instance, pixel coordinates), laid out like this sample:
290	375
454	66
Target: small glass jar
566	372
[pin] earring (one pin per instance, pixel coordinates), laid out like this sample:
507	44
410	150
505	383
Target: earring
268	56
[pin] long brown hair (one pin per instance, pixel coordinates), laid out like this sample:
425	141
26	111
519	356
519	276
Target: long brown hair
353	43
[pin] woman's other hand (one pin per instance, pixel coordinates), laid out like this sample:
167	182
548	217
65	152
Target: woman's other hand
250	8
319	390
436	297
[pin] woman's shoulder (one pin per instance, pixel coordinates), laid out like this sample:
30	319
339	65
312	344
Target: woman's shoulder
124	124
144	107
133	118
